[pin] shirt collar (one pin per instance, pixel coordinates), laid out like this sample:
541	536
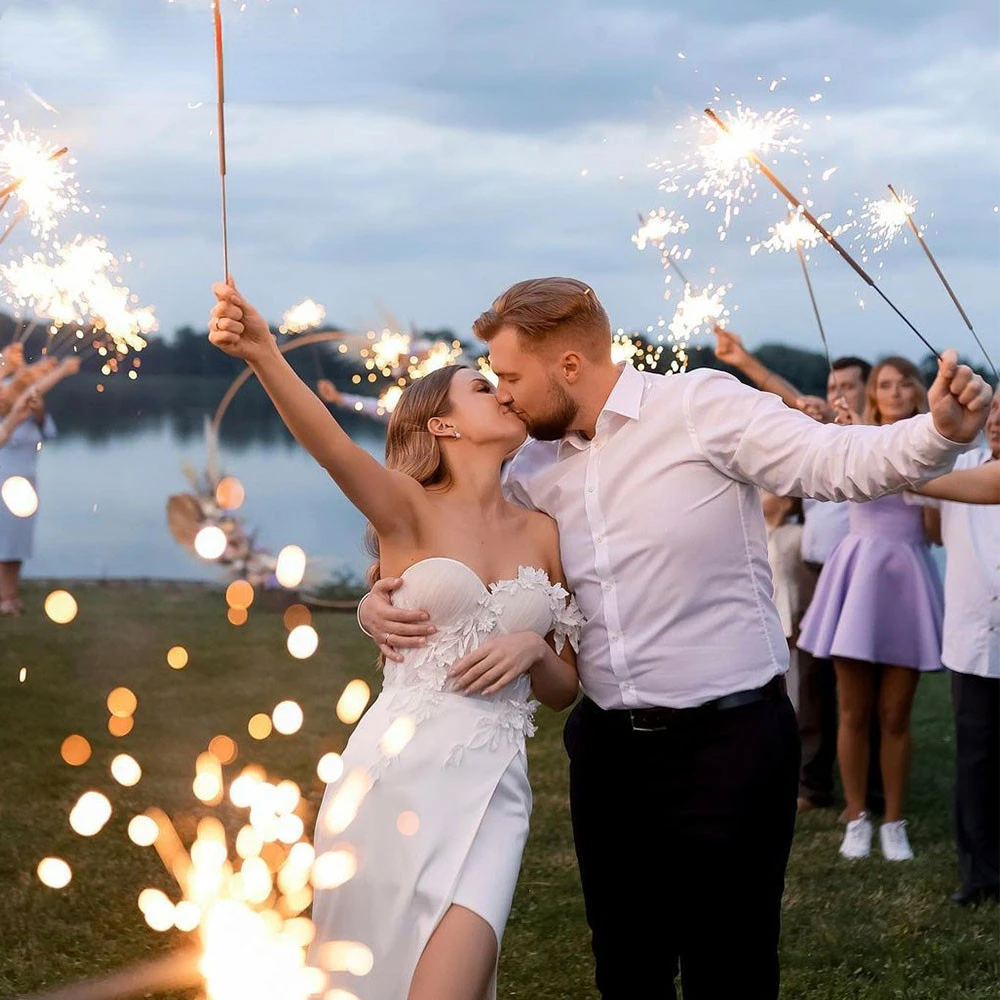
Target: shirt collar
625	400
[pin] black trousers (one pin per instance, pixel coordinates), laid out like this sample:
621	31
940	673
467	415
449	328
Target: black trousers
682	836
976	701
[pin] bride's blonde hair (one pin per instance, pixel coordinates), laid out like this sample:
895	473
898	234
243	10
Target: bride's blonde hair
410	447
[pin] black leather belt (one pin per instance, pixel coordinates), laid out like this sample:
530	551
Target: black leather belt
649	720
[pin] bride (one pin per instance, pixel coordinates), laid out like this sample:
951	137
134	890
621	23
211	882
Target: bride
438	763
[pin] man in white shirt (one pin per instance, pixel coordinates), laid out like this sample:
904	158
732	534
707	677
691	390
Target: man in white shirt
825	526
684	750
971	651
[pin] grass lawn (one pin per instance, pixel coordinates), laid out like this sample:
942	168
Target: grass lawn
865	930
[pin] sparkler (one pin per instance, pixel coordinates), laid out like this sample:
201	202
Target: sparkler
79	288
34	171
305	316
221	114
907	209
795	233
725	175
749	153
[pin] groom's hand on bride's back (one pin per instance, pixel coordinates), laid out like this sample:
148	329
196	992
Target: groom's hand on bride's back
393	628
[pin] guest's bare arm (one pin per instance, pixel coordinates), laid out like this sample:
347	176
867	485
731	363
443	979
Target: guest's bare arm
389	499
980	485
730	350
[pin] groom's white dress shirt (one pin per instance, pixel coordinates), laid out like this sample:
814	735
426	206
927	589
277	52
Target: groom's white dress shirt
662	533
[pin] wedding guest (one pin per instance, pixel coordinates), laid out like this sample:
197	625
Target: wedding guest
368	405
878	603
783	520
825	526
971	652
19	457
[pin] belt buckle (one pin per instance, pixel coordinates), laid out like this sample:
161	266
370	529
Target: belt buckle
638	727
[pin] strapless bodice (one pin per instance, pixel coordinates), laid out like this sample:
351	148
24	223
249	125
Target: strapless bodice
466	613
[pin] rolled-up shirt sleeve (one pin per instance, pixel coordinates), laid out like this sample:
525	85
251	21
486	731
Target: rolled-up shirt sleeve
753	437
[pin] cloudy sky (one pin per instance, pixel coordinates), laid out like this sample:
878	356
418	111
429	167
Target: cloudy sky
413	159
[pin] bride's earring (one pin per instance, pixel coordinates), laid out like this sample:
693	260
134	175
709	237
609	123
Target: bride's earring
457	434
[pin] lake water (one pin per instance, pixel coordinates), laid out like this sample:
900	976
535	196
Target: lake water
105	480
104	484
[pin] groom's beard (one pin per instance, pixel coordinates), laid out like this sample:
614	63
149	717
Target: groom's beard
554	424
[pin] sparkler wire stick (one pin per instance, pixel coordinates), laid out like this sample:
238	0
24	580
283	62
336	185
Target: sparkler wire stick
18	216
221	90
25	332
172	972
667	259
944	281
821	229
812	299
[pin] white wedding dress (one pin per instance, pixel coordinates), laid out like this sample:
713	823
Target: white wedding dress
444	818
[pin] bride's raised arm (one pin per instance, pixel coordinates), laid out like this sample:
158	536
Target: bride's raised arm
388	499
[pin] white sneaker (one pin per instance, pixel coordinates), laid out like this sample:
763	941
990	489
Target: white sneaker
857	842
895	843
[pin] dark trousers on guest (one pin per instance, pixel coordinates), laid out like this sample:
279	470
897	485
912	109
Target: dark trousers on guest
976	701
682	836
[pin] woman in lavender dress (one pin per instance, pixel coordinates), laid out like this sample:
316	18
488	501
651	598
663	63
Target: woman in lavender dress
879	602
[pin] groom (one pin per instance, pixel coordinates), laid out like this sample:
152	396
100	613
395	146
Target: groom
684	748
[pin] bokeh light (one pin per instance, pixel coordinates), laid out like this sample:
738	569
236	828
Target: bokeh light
291	566
223	748
330	767
210	542
303	641
54	872
259	726
295	615
122	702
177	657
91	812
229	494
408	823
120	725
19	496
142	830
61	607
287	717
125	770
75	750
239	594
353	702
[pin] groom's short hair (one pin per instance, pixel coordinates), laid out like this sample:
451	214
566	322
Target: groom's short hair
550	313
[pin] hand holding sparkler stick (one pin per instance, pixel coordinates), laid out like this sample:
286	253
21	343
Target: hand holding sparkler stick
959	399
821	229
944	280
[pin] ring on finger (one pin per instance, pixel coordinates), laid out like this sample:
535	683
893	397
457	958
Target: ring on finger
388	638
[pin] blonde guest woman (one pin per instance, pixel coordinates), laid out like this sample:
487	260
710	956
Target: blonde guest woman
879	601
433	906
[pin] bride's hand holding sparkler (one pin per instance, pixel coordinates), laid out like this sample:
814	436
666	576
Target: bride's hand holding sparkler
236	328
959	399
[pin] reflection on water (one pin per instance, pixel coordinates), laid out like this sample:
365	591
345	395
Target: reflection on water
104	482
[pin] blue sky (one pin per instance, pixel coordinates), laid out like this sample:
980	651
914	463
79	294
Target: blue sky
415	159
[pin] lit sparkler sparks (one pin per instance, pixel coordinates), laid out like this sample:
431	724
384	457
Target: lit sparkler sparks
697	312
34	173
631	348
884	219
384	354
77	283
305	316
790	234
722	161
656	227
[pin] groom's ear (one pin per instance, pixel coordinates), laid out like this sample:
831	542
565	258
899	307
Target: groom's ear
571	366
